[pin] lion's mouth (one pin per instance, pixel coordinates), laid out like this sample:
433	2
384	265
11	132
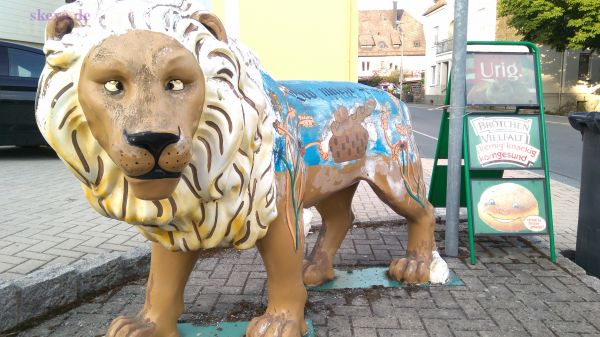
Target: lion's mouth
158	173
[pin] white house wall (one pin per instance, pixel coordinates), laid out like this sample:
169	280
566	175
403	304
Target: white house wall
410	64
481	26
24	21
482	20
568	93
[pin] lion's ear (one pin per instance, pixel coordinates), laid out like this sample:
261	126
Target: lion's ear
60	25
212	23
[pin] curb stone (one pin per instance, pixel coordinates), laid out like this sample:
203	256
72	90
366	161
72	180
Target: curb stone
8	299
568	265
137	261
579	273
48	289
44	290
592	282
97	273
103	272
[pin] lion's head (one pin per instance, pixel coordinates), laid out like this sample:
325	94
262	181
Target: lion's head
142	98
162	118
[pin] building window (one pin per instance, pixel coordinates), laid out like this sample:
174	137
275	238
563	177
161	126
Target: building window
417	44
363	66
391	65
584	67
396	67
368	65
483	25
432	76
445	68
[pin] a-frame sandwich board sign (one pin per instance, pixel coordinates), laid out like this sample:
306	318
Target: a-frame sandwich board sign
494	143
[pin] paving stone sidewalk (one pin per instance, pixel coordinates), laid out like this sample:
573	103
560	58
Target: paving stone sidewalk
45	220
513	290
46	223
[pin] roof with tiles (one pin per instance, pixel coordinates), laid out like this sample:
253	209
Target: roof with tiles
434	7
379	34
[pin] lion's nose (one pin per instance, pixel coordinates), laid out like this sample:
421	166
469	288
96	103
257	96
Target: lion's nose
152	141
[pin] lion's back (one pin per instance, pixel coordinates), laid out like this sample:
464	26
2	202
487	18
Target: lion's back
337	122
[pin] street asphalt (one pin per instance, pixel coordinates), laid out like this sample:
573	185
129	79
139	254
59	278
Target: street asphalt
53	243
564	142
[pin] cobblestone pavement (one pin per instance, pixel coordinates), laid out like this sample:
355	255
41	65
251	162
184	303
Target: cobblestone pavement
45	220
513	290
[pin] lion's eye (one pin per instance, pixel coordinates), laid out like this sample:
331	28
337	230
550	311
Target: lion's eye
515	205
174	85
491	202
113	86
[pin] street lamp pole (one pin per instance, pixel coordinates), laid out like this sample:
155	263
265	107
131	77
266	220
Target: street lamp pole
401	77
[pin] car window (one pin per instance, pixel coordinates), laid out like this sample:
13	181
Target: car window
3	62
23	63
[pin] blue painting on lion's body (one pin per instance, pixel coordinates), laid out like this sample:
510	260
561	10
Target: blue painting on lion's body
336	123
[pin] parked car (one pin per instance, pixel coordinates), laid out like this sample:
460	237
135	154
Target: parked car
20	69
390	87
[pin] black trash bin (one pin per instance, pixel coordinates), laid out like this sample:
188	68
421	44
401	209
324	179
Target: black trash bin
587	251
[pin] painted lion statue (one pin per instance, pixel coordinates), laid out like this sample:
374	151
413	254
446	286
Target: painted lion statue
175	128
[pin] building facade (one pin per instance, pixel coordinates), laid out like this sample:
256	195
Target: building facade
390	42
297	40
570	79
308	40
24	21
439	33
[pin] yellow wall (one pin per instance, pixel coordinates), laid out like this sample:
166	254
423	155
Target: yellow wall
310	39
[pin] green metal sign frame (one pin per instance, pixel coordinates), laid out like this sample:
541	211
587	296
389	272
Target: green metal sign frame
469	173
226	329
369	277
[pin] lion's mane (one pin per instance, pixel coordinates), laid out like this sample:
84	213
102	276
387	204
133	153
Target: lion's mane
226	195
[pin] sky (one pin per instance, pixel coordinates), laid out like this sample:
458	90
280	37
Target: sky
415	7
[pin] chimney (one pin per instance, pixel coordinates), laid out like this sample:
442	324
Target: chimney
395	14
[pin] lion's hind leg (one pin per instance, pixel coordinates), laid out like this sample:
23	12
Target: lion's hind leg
336	212
390	188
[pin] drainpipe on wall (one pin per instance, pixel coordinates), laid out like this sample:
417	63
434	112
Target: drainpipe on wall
396	20
563	62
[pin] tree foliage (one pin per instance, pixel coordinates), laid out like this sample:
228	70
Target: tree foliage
379	77
562	24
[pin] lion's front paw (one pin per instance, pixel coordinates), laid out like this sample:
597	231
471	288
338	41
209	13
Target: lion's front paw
275	325
124	326
409	270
